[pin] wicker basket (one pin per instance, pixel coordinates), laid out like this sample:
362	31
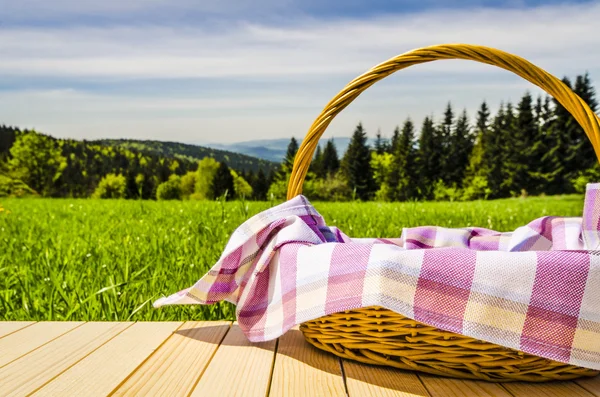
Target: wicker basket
379	336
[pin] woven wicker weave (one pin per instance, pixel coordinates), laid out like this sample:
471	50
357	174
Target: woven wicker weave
376	335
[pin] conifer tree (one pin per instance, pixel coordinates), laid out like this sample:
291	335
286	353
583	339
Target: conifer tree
402	179
316	166
395	138
379	143
428	159
260	186
475	182
288	161
223	182
581	145
459	150
493	153
510	164
444	138
525	136
543	157
356	165
562	131
331	161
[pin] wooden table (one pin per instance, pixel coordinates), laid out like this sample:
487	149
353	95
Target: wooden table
210	359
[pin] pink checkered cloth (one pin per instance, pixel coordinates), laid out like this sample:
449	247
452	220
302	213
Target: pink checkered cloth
536	289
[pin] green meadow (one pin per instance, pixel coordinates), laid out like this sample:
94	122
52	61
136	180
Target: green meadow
82	259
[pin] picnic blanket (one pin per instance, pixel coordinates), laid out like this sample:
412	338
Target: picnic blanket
536	289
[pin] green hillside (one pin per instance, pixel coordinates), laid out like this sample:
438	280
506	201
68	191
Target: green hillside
236	161
35	163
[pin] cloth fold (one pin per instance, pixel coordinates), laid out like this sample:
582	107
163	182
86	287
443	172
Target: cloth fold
536	289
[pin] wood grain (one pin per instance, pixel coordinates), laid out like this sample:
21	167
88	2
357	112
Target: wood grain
553	389
176	366
30	372
204	359
302	370
103	370
591	384
8	327
373	380
238	368
30	338
441	387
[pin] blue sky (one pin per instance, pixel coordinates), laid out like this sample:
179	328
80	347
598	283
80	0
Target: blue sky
237	70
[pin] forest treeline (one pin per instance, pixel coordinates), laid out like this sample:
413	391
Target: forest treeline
531	148
534	147
32	163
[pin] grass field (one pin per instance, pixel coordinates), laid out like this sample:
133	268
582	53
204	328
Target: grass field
108	260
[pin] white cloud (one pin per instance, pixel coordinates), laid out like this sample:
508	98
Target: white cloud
556	36
316	55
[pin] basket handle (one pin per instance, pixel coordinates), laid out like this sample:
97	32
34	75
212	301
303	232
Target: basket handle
589	121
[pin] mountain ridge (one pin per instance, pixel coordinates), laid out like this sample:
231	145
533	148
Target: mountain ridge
194	152
275	149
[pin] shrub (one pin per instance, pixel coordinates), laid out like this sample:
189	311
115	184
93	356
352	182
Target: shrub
112	186
241	187
169	190
277	190
207	169
590	175
384	192
10	187
188	184
333	188
441	192
476	189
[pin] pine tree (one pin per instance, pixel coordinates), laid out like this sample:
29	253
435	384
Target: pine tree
288	161
444	137
510	165
395	139
260	186
459	150
475	182
584	151
402	179
379	143
526	133
563	131
493	152
316	166
356	165
428	159
223	182
331	161
538	110
543	157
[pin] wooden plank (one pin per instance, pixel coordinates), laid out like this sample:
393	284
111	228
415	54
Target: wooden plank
590	384
238	368
124	353
8	327
28	339
374	380
302	370
177	365
552	389
39	367
442	387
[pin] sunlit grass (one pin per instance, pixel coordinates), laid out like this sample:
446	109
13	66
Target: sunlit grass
109	260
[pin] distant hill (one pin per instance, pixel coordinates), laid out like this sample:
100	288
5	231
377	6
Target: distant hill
240	161
55	167
274	149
